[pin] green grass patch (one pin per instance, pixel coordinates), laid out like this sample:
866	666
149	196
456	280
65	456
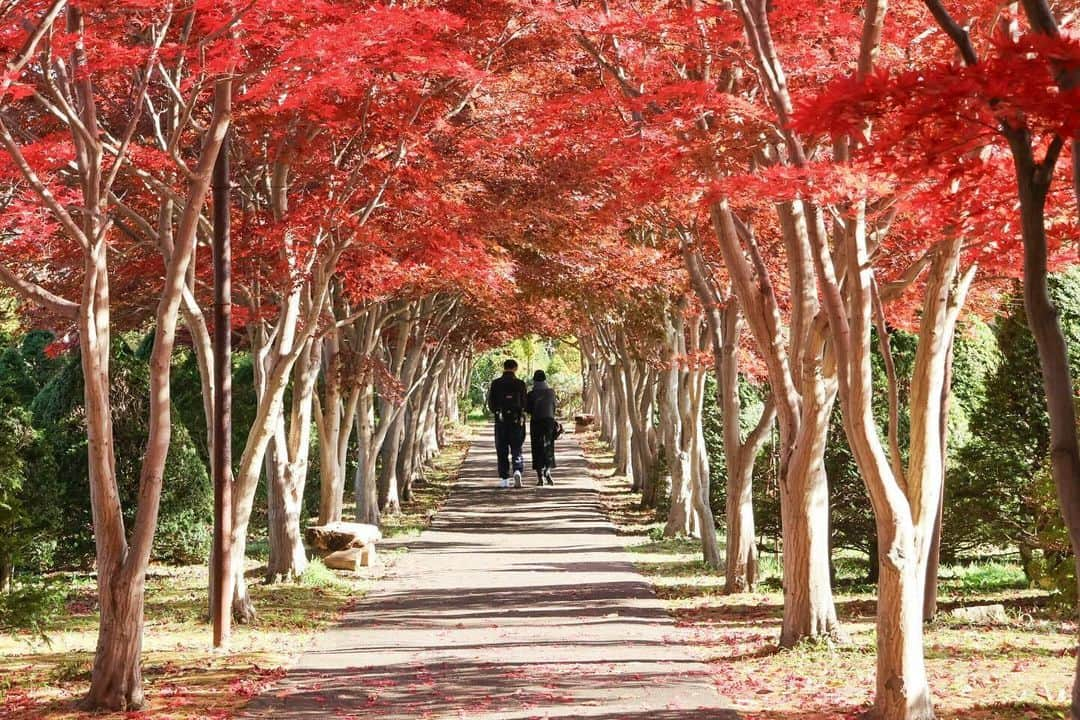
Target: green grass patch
983	577
317	575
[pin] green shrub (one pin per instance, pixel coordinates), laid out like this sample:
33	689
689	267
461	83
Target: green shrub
32	606
1052	565
61	472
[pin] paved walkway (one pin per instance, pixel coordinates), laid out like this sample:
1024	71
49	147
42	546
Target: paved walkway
514	604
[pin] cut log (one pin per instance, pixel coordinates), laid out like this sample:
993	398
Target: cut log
341	535
981	614
353	558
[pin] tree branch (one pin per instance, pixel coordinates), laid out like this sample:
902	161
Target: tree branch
956	33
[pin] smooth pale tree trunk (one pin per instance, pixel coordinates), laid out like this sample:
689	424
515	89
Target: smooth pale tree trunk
405	352
440	407
804	395
593	379
407	454
809	609
933	563
365	482
646	455
741	558
622	445
116	679
590	403
638	385
679	515
724	319
366	338
288	559
389	496
915	512
287	474
692	400
905	507
682	518
434	413
333	424
608	413
902	690
274	365
414	451
458	390
617	430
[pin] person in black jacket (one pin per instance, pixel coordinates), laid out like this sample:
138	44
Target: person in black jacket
540	404
506	401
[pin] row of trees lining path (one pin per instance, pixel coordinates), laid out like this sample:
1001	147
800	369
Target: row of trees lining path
518	603
757	191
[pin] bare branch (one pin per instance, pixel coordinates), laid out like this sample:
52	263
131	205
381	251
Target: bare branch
39	295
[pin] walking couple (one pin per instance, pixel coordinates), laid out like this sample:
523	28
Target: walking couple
509	401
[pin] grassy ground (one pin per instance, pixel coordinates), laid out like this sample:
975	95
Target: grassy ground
1019	670
184	678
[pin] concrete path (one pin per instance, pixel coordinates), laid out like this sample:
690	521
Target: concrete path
514	604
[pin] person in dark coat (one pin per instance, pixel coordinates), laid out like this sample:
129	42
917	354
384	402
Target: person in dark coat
541	406
506	402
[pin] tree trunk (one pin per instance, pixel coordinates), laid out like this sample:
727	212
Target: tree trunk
389	497
723	317
933	565
622	446
693	339
331	423
809	611
700	480
285	490
270	386
609	413
365	481
644	438
682	518
741	565
933	562
903	691
289	464
1033	180
905	507
407	452
116	678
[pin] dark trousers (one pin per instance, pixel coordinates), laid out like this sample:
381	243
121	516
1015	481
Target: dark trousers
509	437
542	431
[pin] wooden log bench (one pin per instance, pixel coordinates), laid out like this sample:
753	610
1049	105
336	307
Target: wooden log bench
343	545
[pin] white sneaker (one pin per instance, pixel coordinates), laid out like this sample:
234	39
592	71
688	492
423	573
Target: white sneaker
517	478
504	482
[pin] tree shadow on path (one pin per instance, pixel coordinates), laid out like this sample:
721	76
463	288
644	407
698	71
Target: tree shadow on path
514	604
